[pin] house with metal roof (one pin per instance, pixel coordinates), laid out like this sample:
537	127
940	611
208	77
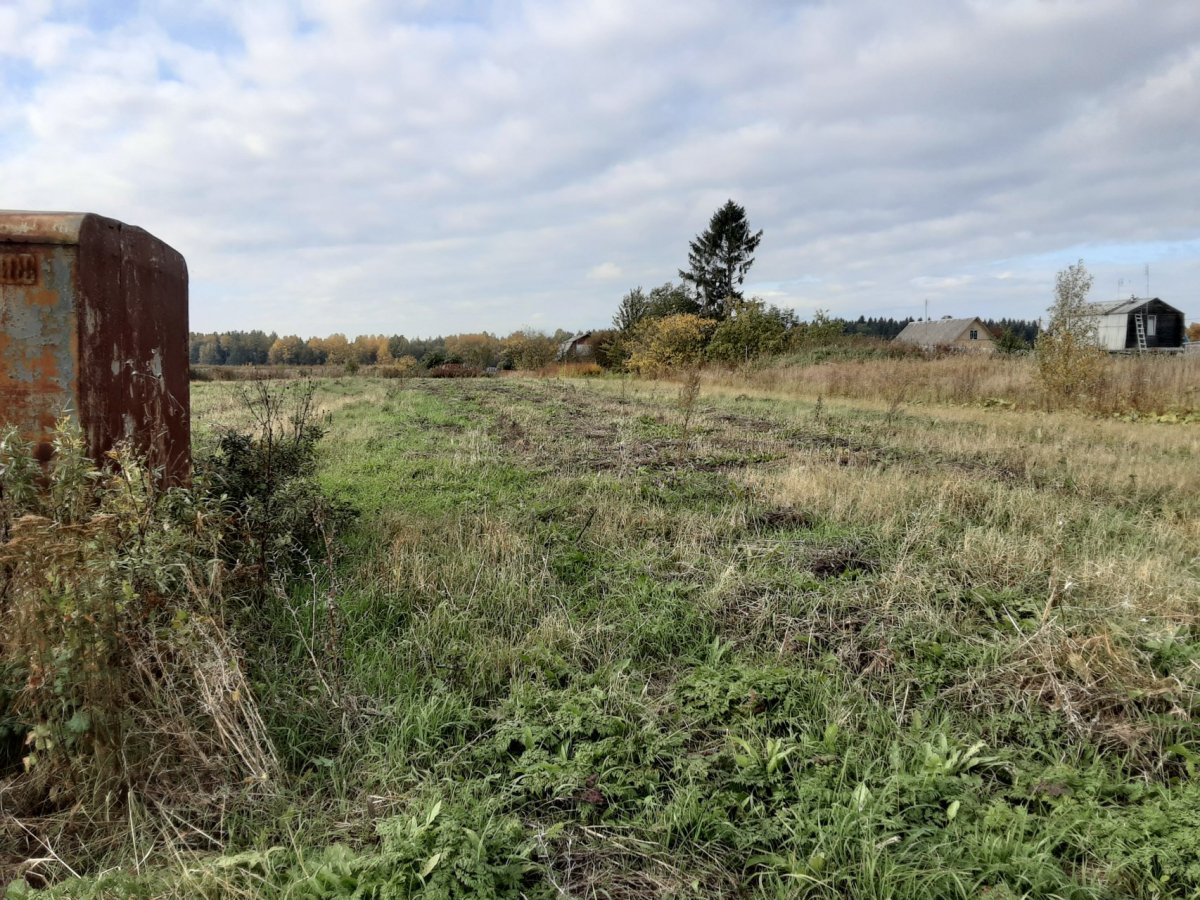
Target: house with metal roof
969	335
576	347
1138	324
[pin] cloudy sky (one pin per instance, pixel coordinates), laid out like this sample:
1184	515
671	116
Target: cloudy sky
434	166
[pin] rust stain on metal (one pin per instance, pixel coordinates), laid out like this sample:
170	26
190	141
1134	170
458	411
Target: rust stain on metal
93	324
18	268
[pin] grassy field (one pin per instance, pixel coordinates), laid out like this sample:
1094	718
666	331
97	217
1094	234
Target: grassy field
590	639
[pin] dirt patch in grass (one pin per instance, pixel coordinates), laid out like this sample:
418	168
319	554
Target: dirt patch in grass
835	559
784	518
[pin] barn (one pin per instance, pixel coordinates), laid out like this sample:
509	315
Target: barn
958	334
577	347
1138	324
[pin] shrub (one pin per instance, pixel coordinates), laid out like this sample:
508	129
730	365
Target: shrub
455	370
404	367
527	349
1070	362
822	331
660	346
129	623
1011	343
1069	368
282	515
606	348
753	330
119	665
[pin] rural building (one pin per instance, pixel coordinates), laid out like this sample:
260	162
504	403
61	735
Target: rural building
956	334
576	348
1139	323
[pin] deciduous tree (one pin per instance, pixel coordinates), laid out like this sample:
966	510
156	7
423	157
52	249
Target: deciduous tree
480	350
288	350
1070	360
668	299
528	349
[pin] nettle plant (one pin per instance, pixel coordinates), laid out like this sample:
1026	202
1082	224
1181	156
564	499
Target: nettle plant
110	621
123	645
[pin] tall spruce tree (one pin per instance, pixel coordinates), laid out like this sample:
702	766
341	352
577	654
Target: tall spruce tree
719	259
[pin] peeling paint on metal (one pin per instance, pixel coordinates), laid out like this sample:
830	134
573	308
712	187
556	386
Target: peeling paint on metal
37	367
95	326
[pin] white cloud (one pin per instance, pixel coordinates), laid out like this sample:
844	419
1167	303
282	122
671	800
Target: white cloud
606	271
422	167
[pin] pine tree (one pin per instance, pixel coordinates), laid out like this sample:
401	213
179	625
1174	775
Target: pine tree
719	260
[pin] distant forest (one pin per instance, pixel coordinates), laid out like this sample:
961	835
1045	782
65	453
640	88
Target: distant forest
260	348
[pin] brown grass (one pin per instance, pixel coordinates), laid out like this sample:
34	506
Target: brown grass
570	370
1130	384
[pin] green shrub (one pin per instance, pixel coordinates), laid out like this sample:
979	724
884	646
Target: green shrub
752	330
1011	343
282	516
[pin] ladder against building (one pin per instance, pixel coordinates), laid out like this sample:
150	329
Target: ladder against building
1139	323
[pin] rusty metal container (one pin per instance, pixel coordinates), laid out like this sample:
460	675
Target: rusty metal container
94	323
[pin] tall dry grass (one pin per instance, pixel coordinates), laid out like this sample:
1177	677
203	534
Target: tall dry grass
574	369
1129	384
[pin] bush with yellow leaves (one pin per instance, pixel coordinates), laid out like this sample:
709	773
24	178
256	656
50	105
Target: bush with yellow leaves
666	345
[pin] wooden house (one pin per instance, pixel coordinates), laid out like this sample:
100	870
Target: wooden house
1138	324
576	348
969	335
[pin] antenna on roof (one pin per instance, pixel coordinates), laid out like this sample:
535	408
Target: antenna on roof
1147	281
1120	287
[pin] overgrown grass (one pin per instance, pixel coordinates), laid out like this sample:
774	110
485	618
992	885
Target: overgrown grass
1128	385
596	641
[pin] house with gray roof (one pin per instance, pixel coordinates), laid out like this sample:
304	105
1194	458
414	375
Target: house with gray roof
575	348
969	335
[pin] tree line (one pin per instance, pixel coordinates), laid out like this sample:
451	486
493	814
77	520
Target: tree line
521	349
758	328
